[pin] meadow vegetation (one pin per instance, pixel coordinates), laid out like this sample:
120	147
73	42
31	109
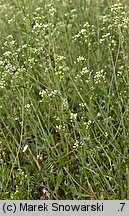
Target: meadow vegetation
64	99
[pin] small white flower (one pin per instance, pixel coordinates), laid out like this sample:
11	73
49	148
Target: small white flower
45	192
25	148
27	106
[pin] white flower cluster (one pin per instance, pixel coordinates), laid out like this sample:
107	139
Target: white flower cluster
60	128
78	144
65	103
87	124
84	72
45	93
114	23
85	34
73	116
80	59
100	76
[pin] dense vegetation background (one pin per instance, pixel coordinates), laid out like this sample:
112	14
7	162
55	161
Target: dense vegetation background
64	89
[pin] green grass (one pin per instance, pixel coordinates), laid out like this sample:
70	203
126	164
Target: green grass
64	89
